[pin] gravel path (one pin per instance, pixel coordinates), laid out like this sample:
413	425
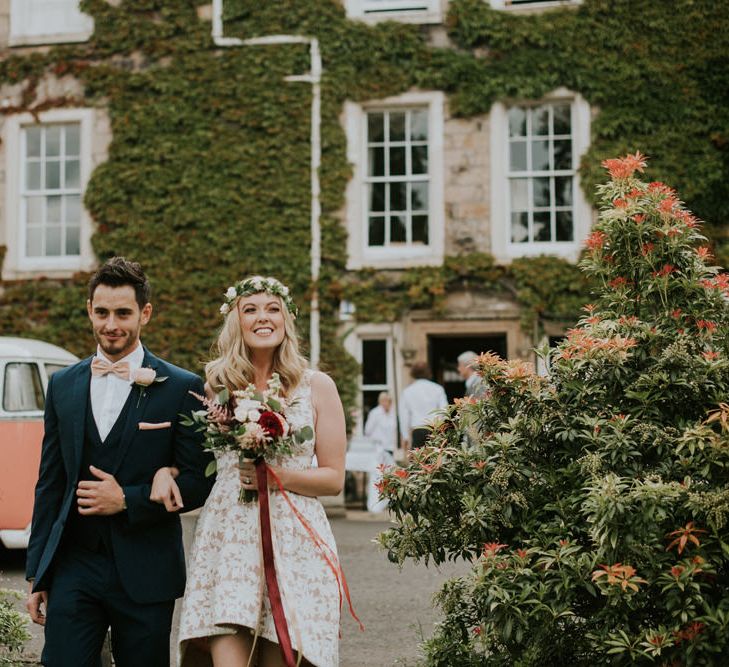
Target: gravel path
394	604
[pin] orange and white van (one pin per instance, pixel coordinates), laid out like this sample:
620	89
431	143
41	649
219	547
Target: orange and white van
25	366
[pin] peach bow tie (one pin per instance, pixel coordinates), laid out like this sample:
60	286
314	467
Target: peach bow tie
101	367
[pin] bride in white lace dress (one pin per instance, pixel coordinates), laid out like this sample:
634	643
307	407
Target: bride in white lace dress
226	617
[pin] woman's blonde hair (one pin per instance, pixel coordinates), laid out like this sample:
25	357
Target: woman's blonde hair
232	368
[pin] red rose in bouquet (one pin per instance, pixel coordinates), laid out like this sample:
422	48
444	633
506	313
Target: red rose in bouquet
271	423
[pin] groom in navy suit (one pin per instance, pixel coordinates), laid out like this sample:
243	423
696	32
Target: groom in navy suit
101	552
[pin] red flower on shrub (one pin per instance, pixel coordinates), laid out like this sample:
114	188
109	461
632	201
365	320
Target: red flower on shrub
677	571
625	167
620	203
402	473
596	240
618	283
683	536
490	549
639	218
666	270
270	422
707	325
690	632
710	355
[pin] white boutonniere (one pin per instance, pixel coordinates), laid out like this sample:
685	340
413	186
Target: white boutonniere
143	378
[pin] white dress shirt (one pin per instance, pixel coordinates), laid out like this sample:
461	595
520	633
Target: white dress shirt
109	392
417	403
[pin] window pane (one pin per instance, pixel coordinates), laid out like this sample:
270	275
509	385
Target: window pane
420	229
397	126
562	119
519	194
376	234
375	127
541	226
33	176
73	174
23	388
73	241
33	141
419	197
397	161
540	156
540	121
53	241
564	226
563	154
53	140
376	159
53	175
34	209
34	242
52	368
398	196
377	196
419	157
419	125
563	190
541	191
53	209
398	230
374	362
517	122
517	156
73	139
519	227
73	209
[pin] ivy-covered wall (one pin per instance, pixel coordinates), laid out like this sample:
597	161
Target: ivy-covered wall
208	172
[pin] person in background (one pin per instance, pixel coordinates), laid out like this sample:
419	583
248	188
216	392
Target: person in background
381	427
418	401
474	383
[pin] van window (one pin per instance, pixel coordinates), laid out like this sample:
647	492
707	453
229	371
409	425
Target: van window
23	388
52	368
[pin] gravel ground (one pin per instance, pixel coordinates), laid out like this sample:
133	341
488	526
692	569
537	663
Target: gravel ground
394	604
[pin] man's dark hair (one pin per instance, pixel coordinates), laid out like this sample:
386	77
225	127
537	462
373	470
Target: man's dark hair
117	272
420	371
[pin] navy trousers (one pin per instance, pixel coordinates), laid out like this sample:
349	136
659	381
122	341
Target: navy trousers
85	599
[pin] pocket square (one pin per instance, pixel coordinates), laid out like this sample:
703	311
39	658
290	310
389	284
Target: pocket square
150	426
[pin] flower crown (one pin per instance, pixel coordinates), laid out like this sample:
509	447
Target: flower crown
256	285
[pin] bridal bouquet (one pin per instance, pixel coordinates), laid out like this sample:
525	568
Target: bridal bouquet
250	423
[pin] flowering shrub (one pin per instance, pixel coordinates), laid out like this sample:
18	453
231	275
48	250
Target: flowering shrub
593	504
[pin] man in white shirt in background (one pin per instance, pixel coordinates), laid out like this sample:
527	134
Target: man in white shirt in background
418	402
474	383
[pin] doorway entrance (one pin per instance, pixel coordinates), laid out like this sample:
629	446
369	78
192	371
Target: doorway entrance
443	354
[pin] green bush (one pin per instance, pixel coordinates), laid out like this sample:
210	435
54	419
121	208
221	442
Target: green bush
13	628
594	502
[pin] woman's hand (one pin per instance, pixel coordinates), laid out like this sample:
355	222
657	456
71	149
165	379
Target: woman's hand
247	475
165	490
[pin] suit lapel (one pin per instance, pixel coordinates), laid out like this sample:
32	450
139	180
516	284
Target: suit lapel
81	388
139	400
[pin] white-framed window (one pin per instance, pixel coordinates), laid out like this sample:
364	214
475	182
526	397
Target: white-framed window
48	164
537	204
395	209
532	4
410	11
48	22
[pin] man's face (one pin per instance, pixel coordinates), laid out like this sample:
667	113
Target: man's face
465	370
117	319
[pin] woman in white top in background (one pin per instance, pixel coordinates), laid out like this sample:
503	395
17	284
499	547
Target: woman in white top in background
381	427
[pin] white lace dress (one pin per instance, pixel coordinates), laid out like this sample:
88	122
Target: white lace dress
226	584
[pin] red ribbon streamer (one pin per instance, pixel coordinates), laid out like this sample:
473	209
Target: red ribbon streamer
321	545
274	594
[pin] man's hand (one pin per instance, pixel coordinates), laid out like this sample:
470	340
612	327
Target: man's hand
33	605
104	497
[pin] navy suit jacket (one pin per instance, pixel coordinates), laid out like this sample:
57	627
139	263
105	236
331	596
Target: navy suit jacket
146	540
